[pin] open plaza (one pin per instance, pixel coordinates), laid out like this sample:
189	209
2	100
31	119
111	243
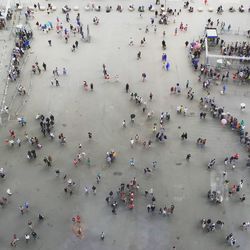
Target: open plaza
124	125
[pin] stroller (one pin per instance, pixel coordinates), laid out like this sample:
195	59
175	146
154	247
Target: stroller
21	121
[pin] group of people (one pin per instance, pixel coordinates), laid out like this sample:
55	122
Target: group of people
209	226
231	121
125	195
47	125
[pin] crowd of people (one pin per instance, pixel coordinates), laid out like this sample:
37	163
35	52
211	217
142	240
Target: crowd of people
241	49
23	38
127	194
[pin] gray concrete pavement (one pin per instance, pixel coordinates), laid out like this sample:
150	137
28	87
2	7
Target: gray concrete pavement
102	111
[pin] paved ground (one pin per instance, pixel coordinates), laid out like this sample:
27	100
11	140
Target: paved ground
102	112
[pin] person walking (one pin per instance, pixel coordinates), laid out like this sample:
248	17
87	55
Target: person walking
150	96
21	208
94	190
49	161
102	236
50	43
44	66
132	142
124	124
188	157
154	163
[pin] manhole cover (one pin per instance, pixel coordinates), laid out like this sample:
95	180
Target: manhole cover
178	163
117	173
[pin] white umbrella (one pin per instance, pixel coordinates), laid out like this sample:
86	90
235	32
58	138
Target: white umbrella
223	121
242	106
220	61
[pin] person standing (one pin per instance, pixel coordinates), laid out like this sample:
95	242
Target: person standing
224	89
90	135
167	66
18	142
154	163
21	208
98	178
127	88
132	162
148	207
64	71
67	17
27	238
